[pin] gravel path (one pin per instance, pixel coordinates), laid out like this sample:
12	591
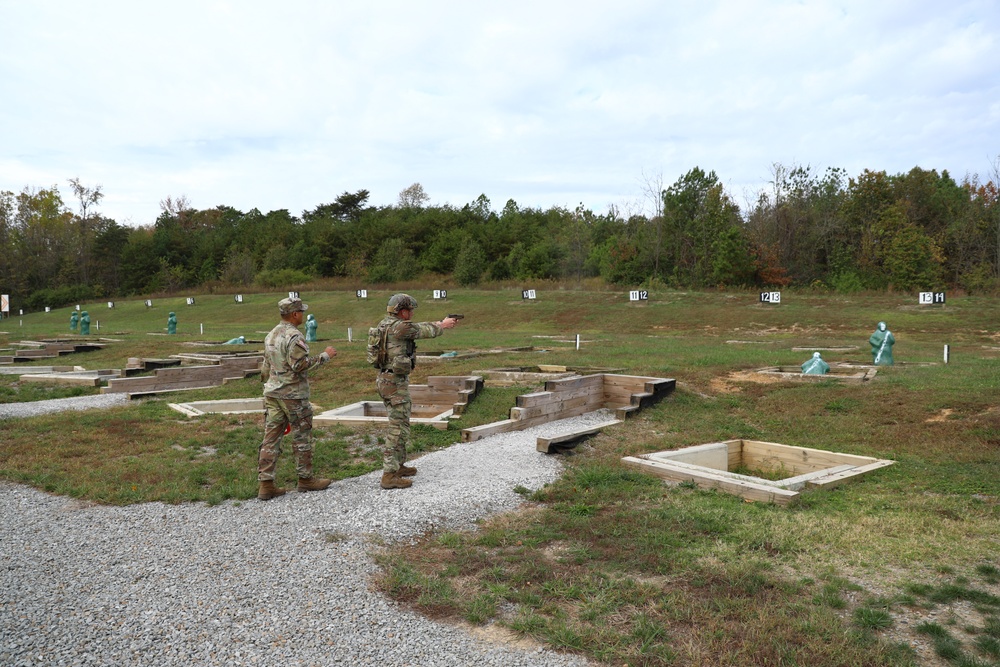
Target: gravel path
253	583
13	410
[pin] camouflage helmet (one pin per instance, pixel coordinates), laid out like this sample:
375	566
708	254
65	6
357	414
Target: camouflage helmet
400	302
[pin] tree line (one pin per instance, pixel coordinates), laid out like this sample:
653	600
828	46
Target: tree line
874	231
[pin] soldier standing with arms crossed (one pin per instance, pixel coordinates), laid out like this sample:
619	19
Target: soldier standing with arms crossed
286	400
397	335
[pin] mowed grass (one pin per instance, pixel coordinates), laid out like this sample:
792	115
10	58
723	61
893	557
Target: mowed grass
608	562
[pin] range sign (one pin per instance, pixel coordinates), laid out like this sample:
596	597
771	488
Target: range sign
770	297
931	298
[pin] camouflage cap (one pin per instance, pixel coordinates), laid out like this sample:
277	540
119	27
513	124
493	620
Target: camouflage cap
400	302
289	306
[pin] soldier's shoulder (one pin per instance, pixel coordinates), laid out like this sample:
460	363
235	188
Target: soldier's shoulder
274	333
395	325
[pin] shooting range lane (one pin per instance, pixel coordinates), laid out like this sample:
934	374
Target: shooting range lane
253	582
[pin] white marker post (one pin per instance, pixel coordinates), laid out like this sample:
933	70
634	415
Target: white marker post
202	328
946	354
349	334
578	341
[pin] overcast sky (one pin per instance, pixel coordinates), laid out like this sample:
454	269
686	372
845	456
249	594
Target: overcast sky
288	104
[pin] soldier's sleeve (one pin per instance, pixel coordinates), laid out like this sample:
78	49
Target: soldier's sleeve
299	359
265	368
428	330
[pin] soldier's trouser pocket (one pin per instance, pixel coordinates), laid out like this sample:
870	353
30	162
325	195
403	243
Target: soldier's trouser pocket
388	386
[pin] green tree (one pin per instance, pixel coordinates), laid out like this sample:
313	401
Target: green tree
88	198
332	229
619	261
109	243
470	265
696	211
542	260
139	264
9	242
913	260
732	262
393	262
239	267
45	247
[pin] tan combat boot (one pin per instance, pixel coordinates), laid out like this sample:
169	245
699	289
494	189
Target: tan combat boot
268	490
407	471
393	480
313	484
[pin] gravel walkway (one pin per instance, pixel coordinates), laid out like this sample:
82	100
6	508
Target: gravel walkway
13	410
253	583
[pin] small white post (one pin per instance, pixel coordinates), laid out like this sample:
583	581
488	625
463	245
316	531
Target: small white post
578	341
945	354
349	334
202	325
97	325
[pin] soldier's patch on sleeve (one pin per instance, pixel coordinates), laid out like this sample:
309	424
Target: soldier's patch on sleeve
301	343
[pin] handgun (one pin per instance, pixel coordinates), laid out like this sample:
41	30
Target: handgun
456	316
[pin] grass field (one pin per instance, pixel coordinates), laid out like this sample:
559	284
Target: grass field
901	567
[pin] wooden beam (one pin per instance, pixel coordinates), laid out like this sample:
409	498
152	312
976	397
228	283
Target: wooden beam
548	397
713	455
799	460
799	482
64	379
575	382
479	432
555	409
708	480
838	478
545	444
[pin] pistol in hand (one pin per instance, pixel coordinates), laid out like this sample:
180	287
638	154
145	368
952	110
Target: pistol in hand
456	316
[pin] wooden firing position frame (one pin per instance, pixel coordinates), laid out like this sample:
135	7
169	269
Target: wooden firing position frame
574	396
29	350
709	467
184	378
432	404
839	372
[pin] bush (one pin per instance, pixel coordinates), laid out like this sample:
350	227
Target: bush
980	280
393	262
470	265
282	278
59	296
845	282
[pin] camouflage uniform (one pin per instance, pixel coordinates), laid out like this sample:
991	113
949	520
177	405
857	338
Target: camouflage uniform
393	383
286	398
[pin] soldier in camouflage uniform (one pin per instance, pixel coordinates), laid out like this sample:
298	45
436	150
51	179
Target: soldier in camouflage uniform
393	383
286	400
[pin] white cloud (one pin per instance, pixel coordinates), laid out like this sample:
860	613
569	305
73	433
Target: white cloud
253	104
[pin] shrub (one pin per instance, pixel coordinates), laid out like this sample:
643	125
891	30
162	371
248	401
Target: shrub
282	278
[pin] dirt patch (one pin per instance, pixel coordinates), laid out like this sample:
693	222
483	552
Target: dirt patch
955	616
941	416
555	551
497	634
729	384
759	329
